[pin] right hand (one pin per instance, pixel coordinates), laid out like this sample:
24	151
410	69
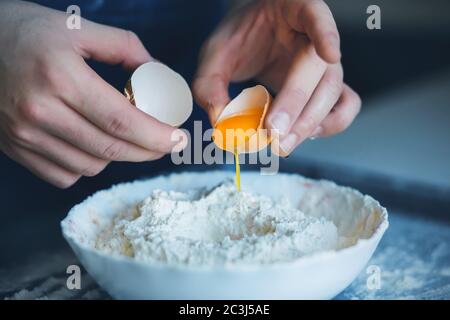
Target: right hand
58	118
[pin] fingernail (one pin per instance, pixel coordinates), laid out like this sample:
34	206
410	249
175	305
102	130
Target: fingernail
181	140
288	143
316	133
281	122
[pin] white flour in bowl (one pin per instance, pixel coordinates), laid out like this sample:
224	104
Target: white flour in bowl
216	227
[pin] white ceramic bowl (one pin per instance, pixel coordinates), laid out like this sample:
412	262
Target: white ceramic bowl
360	220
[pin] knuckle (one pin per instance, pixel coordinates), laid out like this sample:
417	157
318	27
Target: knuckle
51	76
21	134
311	7
113	151
31	112
118	124
132	38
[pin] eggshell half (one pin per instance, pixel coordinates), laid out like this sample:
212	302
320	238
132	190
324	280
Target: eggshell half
250	98
160	92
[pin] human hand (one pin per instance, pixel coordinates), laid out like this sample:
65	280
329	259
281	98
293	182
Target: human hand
292	46
58	118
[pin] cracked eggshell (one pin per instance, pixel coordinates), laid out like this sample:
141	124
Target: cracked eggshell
160	92
248	99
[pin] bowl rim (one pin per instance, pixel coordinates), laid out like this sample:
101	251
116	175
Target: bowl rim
360	244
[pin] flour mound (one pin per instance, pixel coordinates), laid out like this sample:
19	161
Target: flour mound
217	227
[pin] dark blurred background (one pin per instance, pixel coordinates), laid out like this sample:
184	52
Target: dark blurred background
413	43
397	150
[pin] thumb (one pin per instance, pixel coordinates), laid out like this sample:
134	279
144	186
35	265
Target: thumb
210	85
211	93
110	45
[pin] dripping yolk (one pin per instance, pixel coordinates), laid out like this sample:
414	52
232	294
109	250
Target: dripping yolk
233	131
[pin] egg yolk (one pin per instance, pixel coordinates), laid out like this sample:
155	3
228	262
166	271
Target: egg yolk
235	130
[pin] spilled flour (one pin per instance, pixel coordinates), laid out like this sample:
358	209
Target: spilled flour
216	227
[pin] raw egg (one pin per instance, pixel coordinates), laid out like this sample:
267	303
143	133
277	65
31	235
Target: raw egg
239	128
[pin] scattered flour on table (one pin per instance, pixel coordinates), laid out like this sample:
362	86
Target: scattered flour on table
219	226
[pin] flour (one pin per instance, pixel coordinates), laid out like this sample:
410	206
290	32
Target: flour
216	227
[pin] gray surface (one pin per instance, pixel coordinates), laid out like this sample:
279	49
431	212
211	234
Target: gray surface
404	135
414	258
414	262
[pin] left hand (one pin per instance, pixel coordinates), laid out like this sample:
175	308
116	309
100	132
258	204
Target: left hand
292	46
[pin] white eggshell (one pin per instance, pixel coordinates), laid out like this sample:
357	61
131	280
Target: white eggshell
250	98
162	93
254	97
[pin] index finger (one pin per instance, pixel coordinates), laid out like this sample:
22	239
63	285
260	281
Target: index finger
314	18
305	73
111	111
